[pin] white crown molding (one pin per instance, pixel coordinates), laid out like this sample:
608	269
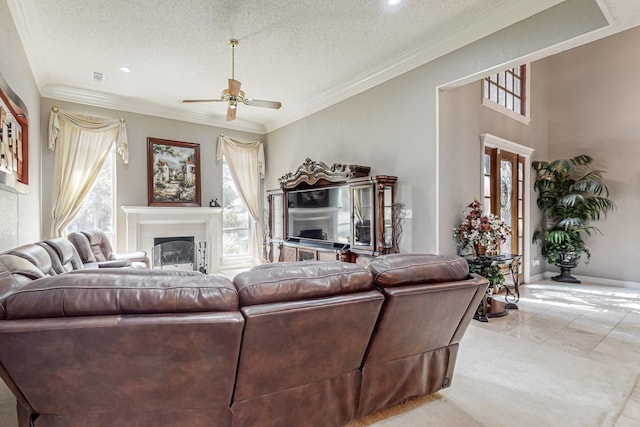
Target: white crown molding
120	103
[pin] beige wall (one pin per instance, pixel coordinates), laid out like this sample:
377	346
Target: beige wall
463	119
594	109
20	213
394	127
132	178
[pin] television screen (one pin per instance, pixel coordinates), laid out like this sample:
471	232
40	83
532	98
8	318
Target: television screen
319	214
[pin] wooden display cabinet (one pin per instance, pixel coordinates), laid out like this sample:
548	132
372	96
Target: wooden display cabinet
14	141
331	213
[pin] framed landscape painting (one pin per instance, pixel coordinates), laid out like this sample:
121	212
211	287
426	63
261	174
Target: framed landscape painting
173	173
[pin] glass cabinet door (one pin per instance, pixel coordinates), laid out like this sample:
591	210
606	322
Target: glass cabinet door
387	212
363	232
277	231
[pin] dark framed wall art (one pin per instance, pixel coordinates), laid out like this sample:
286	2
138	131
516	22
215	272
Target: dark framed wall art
173	173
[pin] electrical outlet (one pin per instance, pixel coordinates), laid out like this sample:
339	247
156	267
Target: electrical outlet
535	261
408	213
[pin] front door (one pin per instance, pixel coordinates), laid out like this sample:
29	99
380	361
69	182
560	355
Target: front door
504	195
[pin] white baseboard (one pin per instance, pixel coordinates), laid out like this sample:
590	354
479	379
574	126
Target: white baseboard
587	279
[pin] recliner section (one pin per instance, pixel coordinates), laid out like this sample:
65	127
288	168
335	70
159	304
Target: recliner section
305	344
94	249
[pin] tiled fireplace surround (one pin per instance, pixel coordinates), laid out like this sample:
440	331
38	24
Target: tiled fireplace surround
143	223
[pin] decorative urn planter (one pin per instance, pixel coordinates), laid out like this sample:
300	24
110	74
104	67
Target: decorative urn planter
568	261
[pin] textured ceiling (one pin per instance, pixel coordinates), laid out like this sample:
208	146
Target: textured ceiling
308	54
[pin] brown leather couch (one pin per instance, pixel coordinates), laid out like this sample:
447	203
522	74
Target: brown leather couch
304	344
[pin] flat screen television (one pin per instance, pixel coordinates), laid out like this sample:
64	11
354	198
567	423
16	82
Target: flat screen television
319	214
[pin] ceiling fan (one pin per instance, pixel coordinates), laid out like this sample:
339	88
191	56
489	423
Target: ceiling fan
233	95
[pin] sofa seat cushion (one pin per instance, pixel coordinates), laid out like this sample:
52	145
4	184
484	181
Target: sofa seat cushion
414	269
103	293
293	281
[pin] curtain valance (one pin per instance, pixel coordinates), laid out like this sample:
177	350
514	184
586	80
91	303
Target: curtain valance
242	145
89	124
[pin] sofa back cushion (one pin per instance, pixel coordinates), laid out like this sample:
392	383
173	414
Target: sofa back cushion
15	272
36	255
82	245
104	293
413	269
100	245
64	256
295	281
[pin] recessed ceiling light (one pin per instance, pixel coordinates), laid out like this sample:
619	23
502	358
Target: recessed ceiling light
125	69
393	2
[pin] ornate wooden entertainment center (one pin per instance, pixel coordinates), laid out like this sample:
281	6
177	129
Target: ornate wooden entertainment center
331	213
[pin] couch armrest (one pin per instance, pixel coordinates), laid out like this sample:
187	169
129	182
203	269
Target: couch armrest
116	263
139	256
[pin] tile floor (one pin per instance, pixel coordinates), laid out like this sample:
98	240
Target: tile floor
599	322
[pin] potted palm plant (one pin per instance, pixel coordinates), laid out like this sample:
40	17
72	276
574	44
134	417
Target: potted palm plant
571	197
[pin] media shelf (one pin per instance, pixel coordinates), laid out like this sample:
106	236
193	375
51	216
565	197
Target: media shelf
331	213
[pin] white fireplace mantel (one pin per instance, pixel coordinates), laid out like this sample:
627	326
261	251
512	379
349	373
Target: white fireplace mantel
143	223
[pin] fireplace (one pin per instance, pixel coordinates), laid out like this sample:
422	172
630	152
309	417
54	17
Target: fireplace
146	223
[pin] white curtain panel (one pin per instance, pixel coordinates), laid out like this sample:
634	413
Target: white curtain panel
81	145
246	163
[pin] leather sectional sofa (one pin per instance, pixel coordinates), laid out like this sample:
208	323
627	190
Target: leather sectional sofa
304	344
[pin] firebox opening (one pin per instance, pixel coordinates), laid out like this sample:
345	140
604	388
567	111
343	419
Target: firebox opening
178	253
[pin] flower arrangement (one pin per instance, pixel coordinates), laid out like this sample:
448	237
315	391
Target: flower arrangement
478	229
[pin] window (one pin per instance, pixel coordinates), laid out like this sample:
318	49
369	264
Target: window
506	92
236	222
97	209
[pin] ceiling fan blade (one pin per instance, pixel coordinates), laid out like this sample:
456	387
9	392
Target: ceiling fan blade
234	87
231	114
202	100
264	104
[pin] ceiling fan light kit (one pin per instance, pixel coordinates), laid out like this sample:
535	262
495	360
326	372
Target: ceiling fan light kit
233	95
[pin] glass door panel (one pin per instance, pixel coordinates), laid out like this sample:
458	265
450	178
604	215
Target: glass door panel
362	217
277	216
388	217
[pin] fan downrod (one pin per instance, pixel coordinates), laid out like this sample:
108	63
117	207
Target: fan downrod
233	43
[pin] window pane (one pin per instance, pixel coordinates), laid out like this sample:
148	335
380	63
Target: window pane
487	186
487	164
507	89
235	243
97	207
506	176
235	218
487	204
